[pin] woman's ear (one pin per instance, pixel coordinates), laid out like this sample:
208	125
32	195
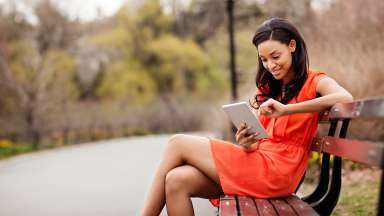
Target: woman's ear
292	45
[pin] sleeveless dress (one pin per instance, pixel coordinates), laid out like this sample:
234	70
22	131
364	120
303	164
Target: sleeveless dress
277	166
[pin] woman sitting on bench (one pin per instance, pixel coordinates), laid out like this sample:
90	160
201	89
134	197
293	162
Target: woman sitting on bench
288	108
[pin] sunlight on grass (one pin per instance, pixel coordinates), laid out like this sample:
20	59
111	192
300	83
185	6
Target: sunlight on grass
359	198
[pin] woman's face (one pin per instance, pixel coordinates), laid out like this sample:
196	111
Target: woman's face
277	58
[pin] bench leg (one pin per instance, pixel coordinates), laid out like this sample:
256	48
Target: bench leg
322	187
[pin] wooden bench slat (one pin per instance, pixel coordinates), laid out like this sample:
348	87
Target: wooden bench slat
370	153
265	208
228	206
247	206
367	108
282	207
301	207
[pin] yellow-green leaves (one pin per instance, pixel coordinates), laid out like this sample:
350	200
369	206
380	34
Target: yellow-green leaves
51	73
126	80
180	66
148	60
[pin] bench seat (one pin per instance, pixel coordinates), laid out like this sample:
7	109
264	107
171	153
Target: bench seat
241	205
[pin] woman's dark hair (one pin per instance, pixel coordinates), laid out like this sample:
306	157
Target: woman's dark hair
283	31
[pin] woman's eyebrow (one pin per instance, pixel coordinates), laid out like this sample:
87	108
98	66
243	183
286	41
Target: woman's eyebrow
273	52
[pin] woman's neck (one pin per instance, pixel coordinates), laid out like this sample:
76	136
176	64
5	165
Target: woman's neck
283	90
288	77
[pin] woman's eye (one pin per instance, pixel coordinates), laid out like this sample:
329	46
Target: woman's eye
275	57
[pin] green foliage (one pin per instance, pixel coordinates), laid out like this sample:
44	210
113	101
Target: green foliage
15	150
49	74
135	132
181	66
151	60
9	148
246	54
24	58
117	38
152	20
61	69
120	38
126	80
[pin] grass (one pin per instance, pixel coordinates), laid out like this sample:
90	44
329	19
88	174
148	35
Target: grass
359	192
6	152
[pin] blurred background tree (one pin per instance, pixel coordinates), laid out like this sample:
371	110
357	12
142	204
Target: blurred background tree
162	65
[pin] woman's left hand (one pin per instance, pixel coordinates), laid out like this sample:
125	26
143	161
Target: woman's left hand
272	108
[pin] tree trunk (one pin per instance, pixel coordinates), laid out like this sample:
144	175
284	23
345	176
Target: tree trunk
33	134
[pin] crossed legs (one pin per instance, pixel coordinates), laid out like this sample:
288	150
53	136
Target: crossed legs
186	170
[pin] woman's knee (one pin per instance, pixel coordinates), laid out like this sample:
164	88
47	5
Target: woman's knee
176	138
176	181
175	142
188	181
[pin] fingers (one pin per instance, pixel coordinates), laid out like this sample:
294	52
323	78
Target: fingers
266	108
244	140
248	141
242	127
266	111
252	146
241	132
273	108
248	150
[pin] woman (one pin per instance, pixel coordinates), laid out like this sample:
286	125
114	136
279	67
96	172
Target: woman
287	107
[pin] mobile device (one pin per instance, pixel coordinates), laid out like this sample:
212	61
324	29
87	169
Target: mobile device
241	113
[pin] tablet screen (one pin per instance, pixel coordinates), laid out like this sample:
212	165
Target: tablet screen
241	113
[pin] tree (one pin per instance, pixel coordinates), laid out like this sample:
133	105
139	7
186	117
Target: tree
181	67
38	70
204	18
145	50
42	83
54	28
123	80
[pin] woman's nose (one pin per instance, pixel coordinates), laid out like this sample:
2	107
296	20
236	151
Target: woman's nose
271	65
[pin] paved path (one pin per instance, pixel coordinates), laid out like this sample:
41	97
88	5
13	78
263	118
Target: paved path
107	178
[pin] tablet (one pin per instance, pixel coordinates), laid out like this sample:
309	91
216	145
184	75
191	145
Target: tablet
241	113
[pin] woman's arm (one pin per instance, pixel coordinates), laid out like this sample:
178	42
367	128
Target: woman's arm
331	92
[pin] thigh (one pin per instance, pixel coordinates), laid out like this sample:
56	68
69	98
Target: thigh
196	151
195	182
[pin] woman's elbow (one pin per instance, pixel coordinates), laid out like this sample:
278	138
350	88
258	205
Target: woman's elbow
347	97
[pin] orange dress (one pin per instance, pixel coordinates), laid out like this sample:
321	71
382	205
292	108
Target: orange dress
277	166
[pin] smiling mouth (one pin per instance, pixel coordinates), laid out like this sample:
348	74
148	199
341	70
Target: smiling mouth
275	73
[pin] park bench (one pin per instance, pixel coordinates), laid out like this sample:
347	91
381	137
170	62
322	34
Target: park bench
324	198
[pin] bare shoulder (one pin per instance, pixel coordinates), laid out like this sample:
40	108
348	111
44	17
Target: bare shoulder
327	85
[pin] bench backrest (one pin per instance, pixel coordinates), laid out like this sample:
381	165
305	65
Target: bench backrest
325	196
370	153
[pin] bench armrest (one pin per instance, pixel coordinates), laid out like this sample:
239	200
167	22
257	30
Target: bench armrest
365	108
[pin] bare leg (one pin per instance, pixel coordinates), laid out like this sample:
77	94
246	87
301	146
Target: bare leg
184	182
180	150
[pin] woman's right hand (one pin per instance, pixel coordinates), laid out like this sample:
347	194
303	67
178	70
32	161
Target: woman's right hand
244	139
